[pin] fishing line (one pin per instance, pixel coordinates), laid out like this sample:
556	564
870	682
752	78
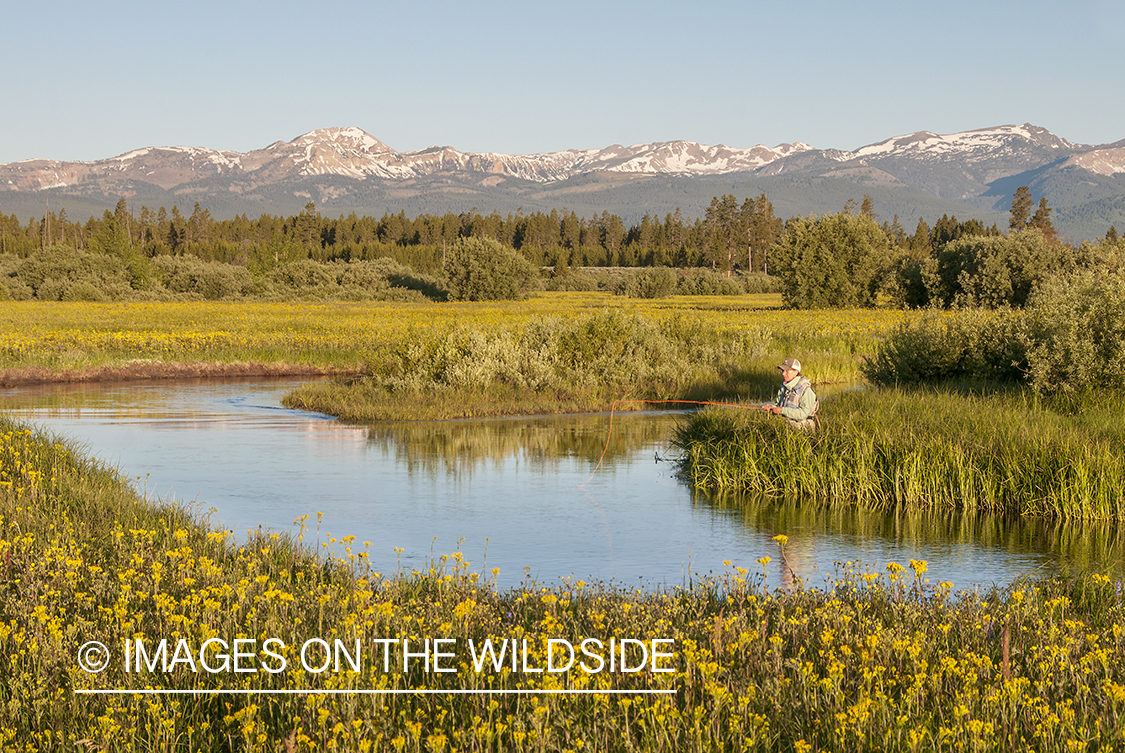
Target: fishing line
613	405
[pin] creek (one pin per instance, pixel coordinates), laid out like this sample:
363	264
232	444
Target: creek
512	494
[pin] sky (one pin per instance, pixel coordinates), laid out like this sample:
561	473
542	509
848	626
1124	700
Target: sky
88	81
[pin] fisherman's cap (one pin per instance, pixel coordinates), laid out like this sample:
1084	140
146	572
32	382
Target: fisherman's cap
791	363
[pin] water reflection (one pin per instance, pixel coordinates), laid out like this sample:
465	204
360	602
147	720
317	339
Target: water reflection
953	540
461	447
516	488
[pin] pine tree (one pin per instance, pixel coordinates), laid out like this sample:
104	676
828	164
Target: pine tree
1041	220
1111	235
724	228
1021	209
920	241
867	208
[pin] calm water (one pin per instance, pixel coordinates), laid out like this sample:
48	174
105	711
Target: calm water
510	489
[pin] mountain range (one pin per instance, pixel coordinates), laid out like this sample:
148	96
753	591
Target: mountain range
969	174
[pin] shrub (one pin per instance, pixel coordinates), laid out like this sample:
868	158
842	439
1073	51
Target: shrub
211	280
52	271
652	282
83	290
756	282
708	282
364	275
574	281
1075	337
484	270
993	271
839	260
304	275
973	344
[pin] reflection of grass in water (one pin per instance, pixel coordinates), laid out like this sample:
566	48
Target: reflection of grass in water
1083	545
999	453
463	446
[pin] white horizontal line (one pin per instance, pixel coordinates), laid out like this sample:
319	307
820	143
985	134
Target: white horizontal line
361	691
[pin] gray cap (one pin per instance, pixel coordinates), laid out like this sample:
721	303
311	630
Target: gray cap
791	363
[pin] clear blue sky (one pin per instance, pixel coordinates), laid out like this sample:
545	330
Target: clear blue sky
85	81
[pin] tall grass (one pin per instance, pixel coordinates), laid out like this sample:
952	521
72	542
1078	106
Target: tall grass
1004	452
557	364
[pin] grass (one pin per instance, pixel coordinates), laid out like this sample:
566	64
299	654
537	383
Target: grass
880	660
583	363
44	341
1000	452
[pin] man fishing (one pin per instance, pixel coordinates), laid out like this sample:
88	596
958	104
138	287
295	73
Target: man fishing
795	401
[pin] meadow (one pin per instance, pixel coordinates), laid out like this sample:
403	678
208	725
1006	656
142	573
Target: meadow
444	360
881	659
68	336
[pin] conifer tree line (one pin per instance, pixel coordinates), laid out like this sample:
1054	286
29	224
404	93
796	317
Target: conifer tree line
842	259
543	238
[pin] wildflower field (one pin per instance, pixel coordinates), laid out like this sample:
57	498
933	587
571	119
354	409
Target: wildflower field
70	336
418	360
878	661
129	624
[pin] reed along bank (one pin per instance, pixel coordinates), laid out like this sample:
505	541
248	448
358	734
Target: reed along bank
1006	450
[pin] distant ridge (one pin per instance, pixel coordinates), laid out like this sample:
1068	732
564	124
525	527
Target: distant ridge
912	175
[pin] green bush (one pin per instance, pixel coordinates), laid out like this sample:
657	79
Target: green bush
974	344
484	270
651	282
574	281
990	271
212	281
708	282
836	261
304	275
1069	339
1075	337
756	282
364	275
402	277
52	271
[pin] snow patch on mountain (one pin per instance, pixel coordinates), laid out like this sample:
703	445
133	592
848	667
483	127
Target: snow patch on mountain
1100	161
971	145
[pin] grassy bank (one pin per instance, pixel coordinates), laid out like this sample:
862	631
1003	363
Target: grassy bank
54	341
586	361
883	660
1001	452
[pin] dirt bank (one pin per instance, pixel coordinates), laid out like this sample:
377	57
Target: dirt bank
136	370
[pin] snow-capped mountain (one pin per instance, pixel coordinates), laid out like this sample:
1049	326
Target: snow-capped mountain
353	153
987	143
920	173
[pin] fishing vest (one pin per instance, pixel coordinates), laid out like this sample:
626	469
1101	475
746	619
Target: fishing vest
791	398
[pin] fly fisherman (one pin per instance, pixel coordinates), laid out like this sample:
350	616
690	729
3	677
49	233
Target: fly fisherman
795	401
